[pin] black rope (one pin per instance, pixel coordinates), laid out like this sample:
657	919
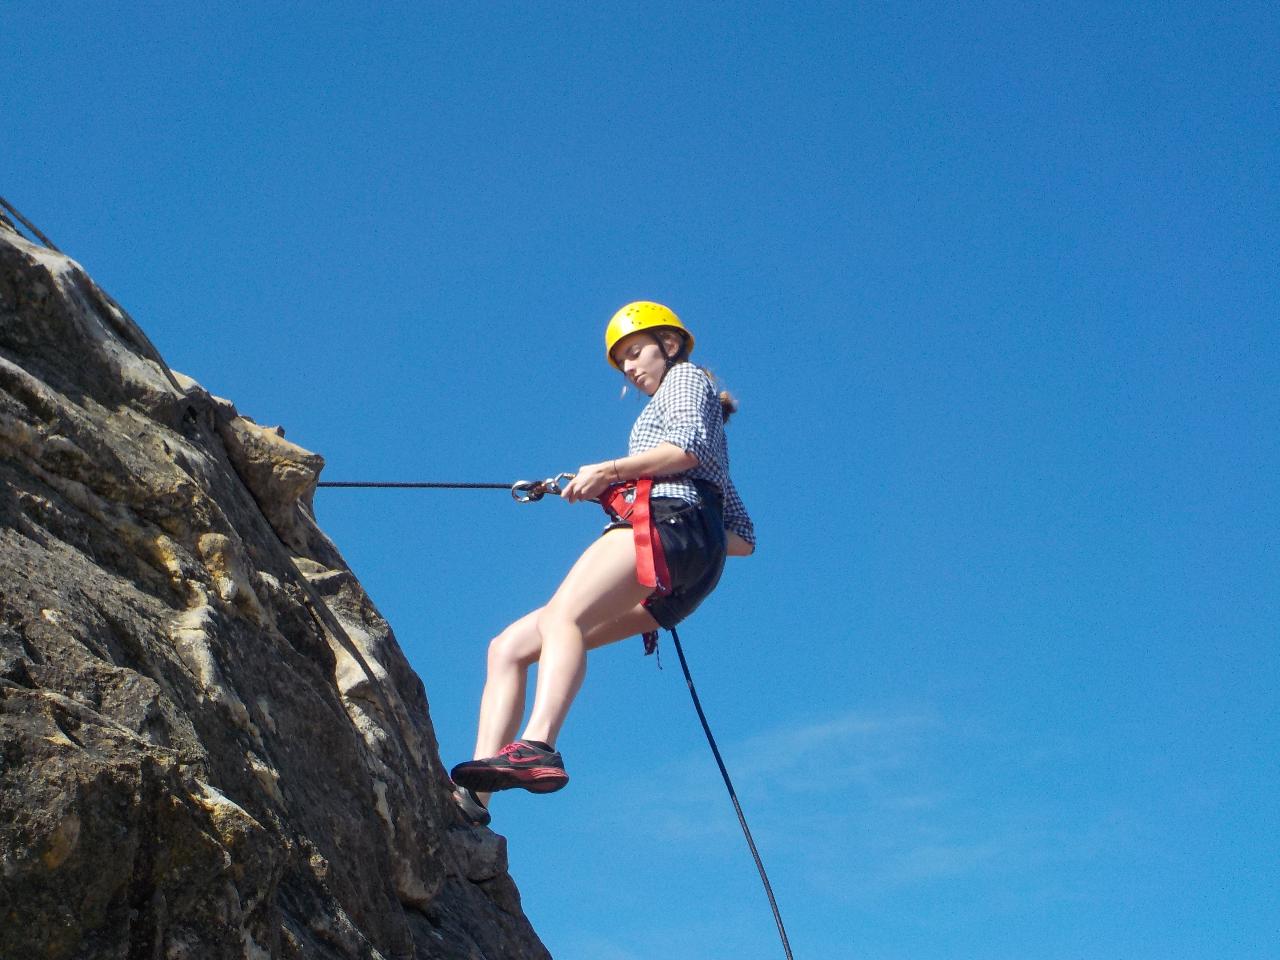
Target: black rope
29	225
688	678
421	486
746	831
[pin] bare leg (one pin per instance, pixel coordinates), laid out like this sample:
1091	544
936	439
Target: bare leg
608	572
510	655
600	589
502	703
512	652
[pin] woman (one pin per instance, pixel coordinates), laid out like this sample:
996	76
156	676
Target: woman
658	559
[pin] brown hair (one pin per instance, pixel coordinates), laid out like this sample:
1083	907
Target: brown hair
728	402
728	405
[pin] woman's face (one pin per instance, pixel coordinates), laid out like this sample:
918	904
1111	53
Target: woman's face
641	359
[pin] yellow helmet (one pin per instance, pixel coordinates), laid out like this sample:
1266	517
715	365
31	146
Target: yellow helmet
642	315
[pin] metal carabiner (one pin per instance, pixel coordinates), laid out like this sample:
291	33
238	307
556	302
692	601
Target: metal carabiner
529	491
556	484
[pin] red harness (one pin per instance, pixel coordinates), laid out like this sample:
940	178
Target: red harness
630	502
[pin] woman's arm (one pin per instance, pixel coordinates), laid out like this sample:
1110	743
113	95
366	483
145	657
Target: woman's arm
664	460
738	547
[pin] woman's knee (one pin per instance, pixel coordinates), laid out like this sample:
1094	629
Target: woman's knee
554	618
516	646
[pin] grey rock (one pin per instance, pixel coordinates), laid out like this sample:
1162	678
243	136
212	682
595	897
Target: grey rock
211	745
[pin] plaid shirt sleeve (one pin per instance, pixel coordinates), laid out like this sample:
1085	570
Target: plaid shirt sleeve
686	407
685	412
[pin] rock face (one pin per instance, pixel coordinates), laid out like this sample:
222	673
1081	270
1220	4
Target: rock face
211	745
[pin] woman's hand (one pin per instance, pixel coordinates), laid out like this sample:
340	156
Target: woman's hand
591	480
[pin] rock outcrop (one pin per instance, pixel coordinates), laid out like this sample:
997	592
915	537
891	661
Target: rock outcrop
211	745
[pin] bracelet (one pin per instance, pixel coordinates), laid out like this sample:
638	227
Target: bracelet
616	477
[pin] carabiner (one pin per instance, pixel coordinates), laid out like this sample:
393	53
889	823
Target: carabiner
528	491
556	484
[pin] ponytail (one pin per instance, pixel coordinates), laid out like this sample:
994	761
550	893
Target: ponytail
728	402
728	405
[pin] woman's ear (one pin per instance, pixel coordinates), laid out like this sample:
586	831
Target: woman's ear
672	342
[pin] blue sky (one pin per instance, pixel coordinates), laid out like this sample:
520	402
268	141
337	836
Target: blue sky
996	285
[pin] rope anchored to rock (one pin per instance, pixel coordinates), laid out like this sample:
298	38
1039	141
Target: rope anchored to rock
522	491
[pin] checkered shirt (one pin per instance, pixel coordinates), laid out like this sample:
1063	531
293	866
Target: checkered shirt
685	411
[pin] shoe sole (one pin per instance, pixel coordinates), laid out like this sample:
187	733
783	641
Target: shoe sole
492	779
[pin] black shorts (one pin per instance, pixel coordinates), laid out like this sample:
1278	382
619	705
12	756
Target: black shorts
694	543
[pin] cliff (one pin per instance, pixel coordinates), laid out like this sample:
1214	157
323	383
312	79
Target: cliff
211	745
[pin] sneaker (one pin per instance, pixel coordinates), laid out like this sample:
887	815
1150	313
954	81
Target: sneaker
472	810
518	764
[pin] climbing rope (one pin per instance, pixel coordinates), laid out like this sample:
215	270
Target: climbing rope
742	820
528	491
29	225
522	491
418	486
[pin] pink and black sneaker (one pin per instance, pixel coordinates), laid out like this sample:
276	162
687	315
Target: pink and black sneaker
522	764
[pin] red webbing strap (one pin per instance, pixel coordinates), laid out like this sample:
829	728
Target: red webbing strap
651	562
